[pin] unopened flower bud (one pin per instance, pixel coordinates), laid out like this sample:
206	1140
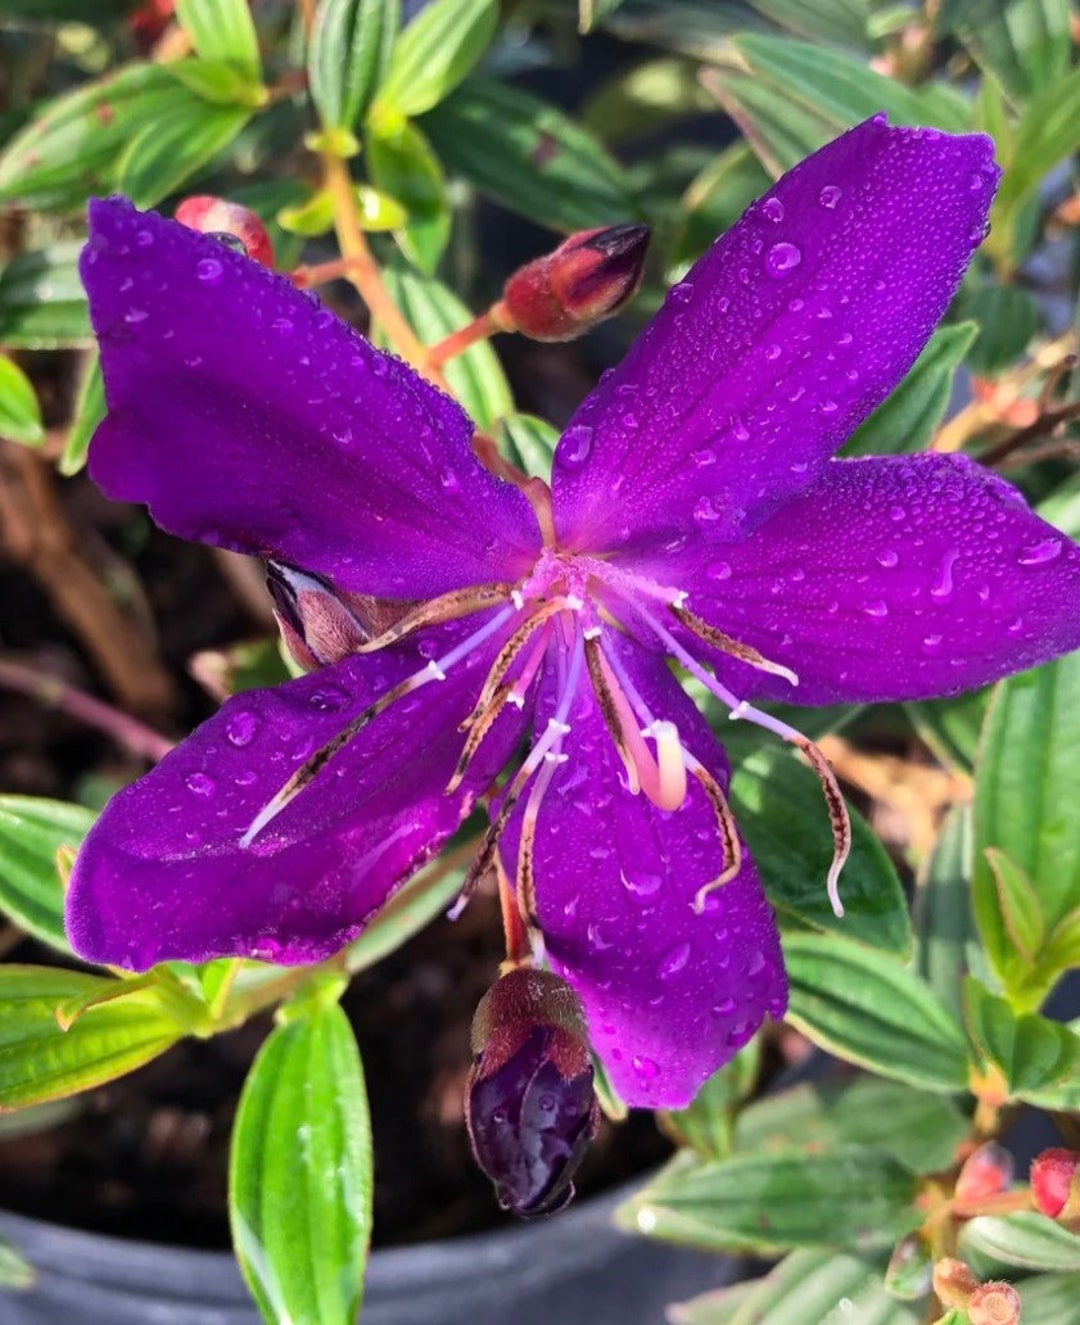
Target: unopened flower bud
319	626
987	1172
530	1106
954	1283
1055	1186
994	1303
586	279
230	222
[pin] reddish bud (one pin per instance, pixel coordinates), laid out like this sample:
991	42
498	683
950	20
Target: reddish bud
987	1172
994	1303
319	625
1055	1185
232	224
954	1283
530	1107
148	22
586	279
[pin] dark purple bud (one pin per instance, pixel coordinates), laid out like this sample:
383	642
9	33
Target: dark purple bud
319	625
530	1106
586	279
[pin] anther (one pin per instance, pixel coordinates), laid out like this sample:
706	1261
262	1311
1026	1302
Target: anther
732	647
447	607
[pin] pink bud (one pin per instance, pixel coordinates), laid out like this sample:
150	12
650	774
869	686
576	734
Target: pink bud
954	1283
1055	1185
586	279
230	221
994	1303
987	1172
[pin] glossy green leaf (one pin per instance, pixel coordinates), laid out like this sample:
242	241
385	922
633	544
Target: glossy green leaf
1026	44
1007	318
867	1009
530	157
219	82
907	419
1031	1052
950	727
707	1125
1019	905
919	1130
433	311
435	52
89	411
349	56
529	443
42	304
1025	1238
847	1195
300	1178
32	830
39	1061
946	942
909	1274
167	152
1048	1298
806	1288
700	28
68	151
403	166
20	413
223	30
780	808
1025	797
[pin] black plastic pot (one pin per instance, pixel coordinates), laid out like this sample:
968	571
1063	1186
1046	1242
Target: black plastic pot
576	1269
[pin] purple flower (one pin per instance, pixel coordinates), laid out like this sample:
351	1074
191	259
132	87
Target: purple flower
694	513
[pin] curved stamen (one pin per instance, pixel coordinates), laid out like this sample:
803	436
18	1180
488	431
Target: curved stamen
728	644
447	607
508	654
839	820
435	670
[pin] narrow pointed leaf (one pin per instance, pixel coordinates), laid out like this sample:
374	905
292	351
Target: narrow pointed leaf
42	304
223	30
31	833
1031	1052
20	413
349	56
435	51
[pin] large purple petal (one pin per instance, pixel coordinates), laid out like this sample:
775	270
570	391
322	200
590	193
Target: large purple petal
246	415
162	875
669	994
785	335
892	578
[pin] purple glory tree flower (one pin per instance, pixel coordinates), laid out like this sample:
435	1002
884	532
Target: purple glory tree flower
695	513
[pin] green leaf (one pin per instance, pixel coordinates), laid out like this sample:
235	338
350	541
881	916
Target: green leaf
780	808
15	1271
716	199
1026	44
42	304
644	100
68	151
1025	1238
529	443
39	1061
166	152
707	1125
31	833
20	413
1019	905
300	1178
848	1195
403	166
223	30
590	12
433	311
908	418
434	53
349	56
791	97
946	939
219	82
919	1130
530	157
1025	796
1008	319
1048	1298
246	665
806	1287
951	727
1031	1052
869	1010
89	411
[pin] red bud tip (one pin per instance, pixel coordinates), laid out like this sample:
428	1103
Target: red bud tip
586	279
229	222
994	1304
1055	1185
987	1172
954	1283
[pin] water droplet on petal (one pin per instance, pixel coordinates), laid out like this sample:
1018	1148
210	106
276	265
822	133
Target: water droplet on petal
706	456
328	699
201	784
830	195
782	258
876	609
725	1007
144	238
241	728
1038	554
897	513
773	208
704	511
645	1067
673	962
598	941
829	407
208	270
681	293
740	431
641	883
943	584
449	480
575	446
931	643
718	570
772	352
888	558
135	315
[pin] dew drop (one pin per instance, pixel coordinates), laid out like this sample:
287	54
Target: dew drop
725	1007
241	728
830	195
888	558
208	269
597	940
772	352
931	643
782	258
773	208
1038	554
740	431
327	699
718	570
135	315
897	513
943	584
645	1067
681	293
575	446
829	407
876	609
706	456
1014	627
144	238
673	962
281	324
641	883
200	784
705	512
449	480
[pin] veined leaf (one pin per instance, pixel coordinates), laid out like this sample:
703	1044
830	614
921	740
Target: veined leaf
32	830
